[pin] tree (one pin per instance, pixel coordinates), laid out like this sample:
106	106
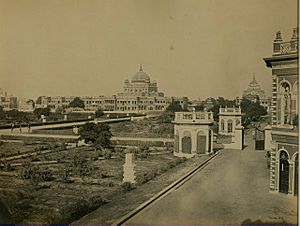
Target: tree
2	113
99	113
221	102
98	134
174	107
42	111
252	111
76	103
199	107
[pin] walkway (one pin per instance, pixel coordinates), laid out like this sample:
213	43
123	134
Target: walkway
232	189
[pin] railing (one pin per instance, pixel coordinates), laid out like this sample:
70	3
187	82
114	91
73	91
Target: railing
230	110
190	117
283	48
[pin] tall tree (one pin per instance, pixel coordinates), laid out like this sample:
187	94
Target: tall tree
252	111
174	107
98	134
77	102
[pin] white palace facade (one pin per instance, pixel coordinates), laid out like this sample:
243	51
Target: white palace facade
140	94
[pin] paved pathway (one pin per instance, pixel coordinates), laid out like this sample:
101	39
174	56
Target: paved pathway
229	190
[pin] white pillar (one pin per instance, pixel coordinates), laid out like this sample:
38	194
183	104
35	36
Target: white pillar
194	141
128	175
268	137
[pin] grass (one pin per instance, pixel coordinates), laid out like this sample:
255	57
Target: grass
80	183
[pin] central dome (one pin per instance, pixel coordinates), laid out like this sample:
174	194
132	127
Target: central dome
141	76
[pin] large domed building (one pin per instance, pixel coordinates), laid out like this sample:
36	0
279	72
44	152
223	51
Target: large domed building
140	85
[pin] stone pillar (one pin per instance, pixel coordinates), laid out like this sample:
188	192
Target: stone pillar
238	138
65	117
212	140
206	143
268	138
194	142
291	177
180	141
128	175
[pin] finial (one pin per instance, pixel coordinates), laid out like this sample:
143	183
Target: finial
141	67
278	36
295	33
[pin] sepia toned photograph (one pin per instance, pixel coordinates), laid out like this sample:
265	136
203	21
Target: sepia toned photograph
149	112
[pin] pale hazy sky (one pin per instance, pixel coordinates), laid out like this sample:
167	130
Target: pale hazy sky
194	48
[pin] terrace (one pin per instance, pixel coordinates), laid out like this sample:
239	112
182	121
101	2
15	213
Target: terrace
193	118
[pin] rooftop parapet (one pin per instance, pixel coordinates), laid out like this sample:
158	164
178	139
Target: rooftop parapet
230	111
281	47
194	117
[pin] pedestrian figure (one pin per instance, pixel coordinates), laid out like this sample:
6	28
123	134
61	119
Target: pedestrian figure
28	125
20	128
12	126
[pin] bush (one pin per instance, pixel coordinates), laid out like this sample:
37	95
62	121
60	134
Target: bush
106	153
127	186
36	174
119	152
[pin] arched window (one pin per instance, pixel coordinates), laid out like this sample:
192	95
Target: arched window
222	125
285	105
229	126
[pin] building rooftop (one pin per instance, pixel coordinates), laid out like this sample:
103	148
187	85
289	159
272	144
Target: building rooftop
193	118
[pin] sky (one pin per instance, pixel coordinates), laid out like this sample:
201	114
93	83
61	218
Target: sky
193	48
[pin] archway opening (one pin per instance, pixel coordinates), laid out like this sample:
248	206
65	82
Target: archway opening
186	143
283	173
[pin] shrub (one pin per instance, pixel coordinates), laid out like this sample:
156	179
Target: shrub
36	174
119	152
127	186
106	153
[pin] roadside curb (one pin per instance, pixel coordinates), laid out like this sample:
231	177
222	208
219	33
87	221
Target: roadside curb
165	191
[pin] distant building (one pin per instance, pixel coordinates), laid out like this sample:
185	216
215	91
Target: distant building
285	104
254	93
8	102
26	105
138	95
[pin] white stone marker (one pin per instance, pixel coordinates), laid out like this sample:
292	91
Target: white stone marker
128	175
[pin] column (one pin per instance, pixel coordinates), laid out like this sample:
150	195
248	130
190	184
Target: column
268	138
291	177
180	141
194	141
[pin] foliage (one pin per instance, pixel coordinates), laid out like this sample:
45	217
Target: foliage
220	102
42	111
99	113
127	186
252	111
166	117
98	134
106	153
175	107
199	107
2	113
36	174
144	151
15	115
80	164
77	102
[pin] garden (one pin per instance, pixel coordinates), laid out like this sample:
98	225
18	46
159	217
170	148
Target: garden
50	183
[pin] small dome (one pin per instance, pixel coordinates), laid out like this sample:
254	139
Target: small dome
140	76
